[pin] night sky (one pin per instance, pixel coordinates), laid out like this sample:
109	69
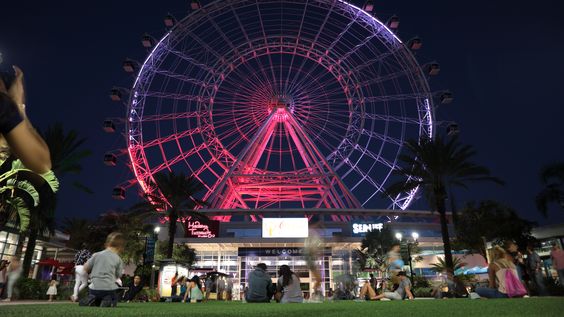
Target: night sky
503	60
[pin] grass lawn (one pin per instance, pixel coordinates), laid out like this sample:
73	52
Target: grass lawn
436	308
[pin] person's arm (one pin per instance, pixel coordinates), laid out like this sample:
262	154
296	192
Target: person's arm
491	275
119	269
408	292
188	289
23	140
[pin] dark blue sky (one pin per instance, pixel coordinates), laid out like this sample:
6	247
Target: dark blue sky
502	59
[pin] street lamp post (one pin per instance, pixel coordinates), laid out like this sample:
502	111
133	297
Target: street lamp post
415	236
156	237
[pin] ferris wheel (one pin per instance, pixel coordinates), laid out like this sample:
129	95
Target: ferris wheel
275	104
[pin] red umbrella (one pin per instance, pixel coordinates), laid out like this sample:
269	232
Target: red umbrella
49	262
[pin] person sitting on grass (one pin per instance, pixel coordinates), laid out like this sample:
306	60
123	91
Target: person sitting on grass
403	290
194	292
367	291
105	268
289	286
455	288
260	286
498	276
134	289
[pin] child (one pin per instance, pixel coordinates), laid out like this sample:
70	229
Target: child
105	268
52	290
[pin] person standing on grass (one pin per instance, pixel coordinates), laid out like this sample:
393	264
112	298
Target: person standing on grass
557	256
14	271
289	285
534	269
403	290
105	267
80	275
52	290
260	285
173	285
395	264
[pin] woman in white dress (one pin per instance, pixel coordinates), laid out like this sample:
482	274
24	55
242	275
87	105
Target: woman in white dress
289	285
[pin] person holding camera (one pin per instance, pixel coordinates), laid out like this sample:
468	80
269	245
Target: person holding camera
16	129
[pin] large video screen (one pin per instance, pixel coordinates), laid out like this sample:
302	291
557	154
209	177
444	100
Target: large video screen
284	228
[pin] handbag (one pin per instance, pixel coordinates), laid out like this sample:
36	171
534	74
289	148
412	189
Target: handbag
513	285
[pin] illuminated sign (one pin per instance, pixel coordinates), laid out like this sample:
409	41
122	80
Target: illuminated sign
284	228
277	252
199	229
360	228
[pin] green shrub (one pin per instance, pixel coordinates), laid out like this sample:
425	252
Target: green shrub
27	288
151	294
420	281
422	292
65	291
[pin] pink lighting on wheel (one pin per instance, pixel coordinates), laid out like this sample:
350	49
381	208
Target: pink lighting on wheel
269	119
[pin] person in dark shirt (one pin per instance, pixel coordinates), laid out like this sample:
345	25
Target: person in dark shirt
260	286
16	130
134	289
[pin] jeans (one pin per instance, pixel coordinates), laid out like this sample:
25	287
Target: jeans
490	292
538	280
106	298
81	280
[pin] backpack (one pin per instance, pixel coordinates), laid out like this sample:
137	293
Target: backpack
513	285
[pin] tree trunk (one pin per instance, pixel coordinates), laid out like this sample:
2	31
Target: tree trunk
171	233
30	250
453	209
444	231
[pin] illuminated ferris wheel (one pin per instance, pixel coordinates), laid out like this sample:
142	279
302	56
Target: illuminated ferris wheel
279	104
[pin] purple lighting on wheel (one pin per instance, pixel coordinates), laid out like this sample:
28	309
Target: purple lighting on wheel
373	19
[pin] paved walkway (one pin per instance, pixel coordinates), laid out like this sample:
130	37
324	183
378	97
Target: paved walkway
34	302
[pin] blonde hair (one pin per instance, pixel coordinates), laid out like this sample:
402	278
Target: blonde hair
498	253
115	240
500	258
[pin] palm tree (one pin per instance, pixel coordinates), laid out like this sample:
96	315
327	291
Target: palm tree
374	248
66	154
441	265
177	201
436	166
552	177
24	194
